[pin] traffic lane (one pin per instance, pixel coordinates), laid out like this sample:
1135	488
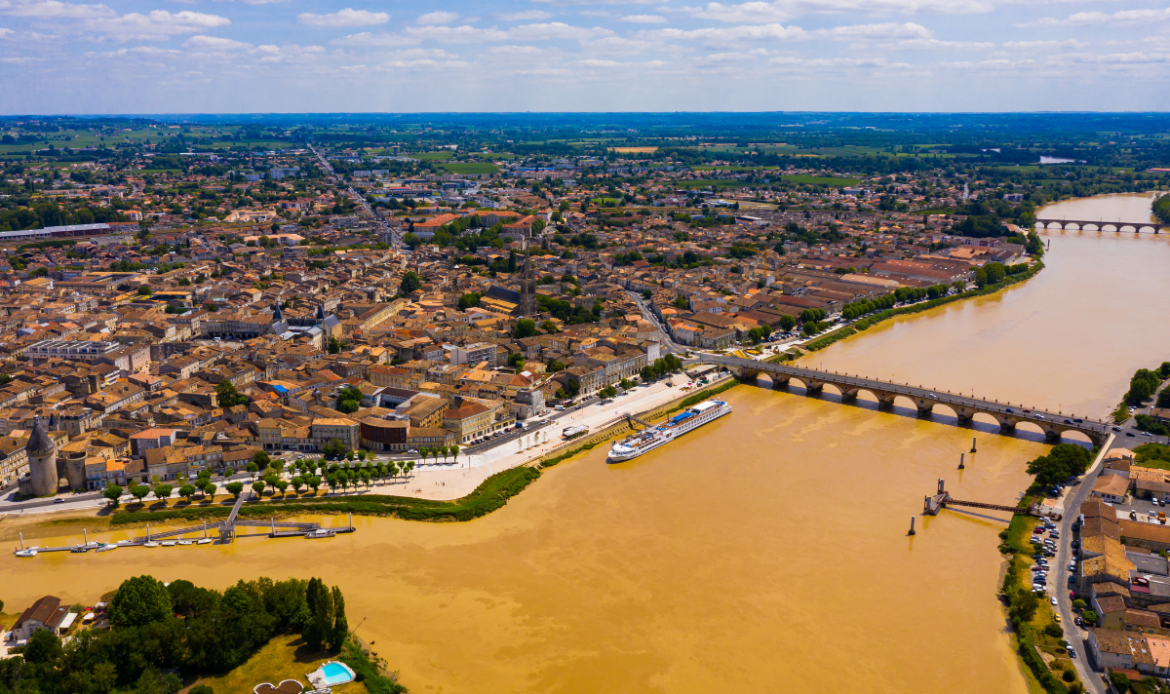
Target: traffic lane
1065	553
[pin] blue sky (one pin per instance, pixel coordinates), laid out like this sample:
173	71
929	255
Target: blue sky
183	56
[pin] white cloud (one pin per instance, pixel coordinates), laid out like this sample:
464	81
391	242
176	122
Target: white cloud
525	16
366	38
156	25
595	62
644	19
5	33
460	34
144	51
215	43
726	35
784	10
889	30
437	17
1044	45
555	31
1097	18
20	61
52	9
348	17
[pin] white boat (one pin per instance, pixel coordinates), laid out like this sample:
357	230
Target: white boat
203	541
319	533
107	548
27	552
185	543
168	543
152	544
644	441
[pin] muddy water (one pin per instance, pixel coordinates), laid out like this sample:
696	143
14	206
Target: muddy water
764	552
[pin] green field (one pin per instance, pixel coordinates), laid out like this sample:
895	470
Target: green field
432	156
819	180
471	167
712	183
732	168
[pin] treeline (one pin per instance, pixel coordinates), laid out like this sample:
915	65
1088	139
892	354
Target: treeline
158	630
51	214
1162	208
901	295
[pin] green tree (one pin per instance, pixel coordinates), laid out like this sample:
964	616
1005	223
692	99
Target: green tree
469	300
139	601
187	491
258	487
410	282
787	323
235	489
1119	681
43	648
227	396
163	491
114	493
209	489
525	327
340	628
1089	616
1023	604
1064	460
139	491
317	628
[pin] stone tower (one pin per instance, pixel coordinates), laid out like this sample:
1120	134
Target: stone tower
42	462
527	285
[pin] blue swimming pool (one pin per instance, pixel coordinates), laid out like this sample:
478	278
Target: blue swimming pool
336	673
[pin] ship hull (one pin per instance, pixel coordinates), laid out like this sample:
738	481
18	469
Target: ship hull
625	450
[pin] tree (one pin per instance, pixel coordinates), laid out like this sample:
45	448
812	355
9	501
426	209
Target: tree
1063	461
43	647
209	489
408	466
281	485
787	323
227	396
187	491
163	491
469	300
297	482
139	491
114	493
252	468
1023	604
608	392
411	282
235	489
340	625
1089	616
444	450
262	460
525	327
333	448
454	453
139	601
1120	682
318	626
258	487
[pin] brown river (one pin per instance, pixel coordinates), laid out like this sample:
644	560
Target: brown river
764	552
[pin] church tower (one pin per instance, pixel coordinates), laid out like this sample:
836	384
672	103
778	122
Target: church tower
42	461
527	285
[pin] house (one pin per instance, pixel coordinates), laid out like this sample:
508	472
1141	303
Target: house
1111	488
46	613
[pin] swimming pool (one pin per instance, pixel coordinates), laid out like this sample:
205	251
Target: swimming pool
336	673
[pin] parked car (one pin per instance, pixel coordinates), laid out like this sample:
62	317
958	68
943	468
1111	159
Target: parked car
1052	600
1072	654
1116	428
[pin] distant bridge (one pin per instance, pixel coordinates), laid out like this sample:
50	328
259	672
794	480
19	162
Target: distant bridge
1102	225
1053	424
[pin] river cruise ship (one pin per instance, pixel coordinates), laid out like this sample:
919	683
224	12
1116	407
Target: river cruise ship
697	416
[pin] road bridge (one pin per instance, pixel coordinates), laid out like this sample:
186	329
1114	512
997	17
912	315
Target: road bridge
1101	225
1052	424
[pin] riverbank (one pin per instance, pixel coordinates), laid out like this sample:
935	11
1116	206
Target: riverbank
490	495
871	320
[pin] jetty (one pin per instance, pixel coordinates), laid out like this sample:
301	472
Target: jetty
226	530
932	504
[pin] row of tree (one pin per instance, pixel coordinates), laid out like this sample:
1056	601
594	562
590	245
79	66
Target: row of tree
159	630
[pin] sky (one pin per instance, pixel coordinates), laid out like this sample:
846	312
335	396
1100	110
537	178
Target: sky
262	56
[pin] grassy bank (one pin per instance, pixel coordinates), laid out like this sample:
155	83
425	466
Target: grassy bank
492	494
871	320
284	657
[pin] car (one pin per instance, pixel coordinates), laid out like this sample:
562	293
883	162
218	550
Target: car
1027	411
1076	544
1116	428
1010	410
1080	622
1052	599
1079	421
1072	566
1129	434
1072	654
1146	433
1151	513
1039	529
1040	416
58	501
1068	421
1057	617
1072	579
1037	567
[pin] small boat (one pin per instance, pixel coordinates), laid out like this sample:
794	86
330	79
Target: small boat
203	541
319	533
185	543
29	552
80	549
107	548
168	543
152	544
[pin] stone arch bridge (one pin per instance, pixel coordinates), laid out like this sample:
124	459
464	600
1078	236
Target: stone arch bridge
1053	424
1100	225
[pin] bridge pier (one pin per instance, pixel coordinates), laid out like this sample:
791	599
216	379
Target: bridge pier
779	382
813	387
849	394
964	414
925	407
885	401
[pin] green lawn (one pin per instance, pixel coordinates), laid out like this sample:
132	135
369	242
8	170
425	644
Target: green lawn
285	657
432	156
712	183
471	167
820	180
1153	455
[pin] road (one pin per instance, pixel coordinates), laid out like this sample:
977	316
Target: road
1064	554
671	345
